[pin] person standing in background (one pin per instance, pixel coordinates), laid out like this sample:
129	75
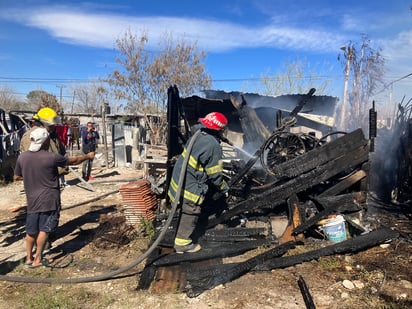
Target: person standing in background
90	139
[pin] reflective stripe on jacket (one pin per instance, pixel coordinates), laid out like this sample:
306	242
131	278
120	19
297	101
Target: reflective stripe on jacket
204	167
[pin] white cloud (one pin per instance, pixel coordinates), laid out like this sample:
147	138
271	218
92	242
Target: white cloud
101	30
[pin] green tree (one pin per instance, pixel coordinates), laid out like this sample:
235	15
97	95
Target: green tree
143	77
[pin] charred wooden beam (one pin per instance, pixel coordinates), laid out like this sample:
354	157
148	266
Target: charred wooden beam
364	182
321	155
211	251
234	234
307	297
352	245
345	145
255	132
278	194
353	227
345	203
344	184
200	279
349	202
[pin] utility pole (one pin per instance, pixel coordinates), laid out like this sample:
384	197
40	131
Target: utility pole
106	152
61	92
348	53
74	94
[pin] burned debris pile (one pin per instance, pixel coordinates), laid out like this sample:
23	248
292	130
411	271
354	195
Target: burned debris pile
303	178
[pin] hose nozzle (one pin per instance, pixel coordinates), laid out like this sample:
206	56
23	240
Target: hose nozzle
225	140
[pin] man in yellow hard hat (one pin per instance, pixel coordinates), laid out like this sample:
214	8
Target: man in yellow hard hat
45	118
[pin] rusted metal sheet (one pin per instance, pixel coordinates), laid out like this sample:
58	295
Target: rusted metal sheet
169	279
173	278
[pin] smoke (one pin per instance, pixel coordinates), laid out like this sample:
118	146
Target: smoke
388	160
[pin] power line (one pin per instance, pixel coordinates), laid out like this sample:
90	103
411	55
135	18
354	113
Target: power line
49	80
6	79
36	79
386	86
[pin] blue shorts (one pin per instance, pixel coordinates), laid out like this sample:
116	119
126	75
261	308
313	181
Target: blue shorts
42	222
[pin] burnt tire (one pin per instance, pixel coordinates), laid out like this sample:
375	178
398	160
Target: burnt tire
279	148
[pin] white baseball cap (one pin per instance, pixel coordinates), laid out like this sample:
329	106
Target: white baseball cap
38	137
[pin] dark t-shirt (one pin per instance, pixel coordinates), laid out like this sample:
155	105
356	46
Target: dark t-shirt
89	141
41	179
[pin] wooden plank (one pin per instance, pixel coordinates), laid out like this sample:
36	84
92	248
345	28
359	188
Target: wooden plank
200	279
344	184
321	155
156	153
307	297
156	160
347	246
348	203
279	193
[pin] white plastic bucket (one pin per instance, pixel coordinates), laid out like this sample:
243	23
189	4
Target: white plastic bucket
334	229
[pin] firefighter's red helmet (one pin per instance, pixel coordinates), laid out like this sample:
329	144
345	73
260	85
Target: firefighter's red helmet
215	121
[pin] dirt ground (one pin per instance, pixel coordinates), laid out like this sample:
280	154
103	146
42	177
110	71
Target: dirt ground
93	239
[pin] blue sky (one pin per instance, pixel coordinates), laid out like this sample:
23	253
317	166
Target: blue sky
45	44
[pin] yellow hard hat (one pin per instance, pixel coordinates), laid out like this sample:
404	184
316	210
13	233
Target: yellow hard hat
46	116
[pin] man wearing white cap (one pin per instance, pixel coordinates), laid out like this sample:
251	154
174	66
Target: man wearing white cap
38	170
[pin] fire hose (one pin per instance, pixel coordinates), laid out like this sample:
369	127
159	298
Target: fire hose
137	261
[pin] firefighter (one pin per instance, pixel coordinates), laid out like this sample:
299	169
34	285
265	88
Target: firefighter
45	118
204	169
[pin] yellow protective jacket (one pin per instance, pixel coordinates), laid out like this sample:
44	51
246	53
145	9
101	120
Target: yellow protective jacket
204	168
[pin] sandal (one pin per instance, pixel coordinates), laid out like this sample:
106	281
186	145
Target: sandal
46	262
35	266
